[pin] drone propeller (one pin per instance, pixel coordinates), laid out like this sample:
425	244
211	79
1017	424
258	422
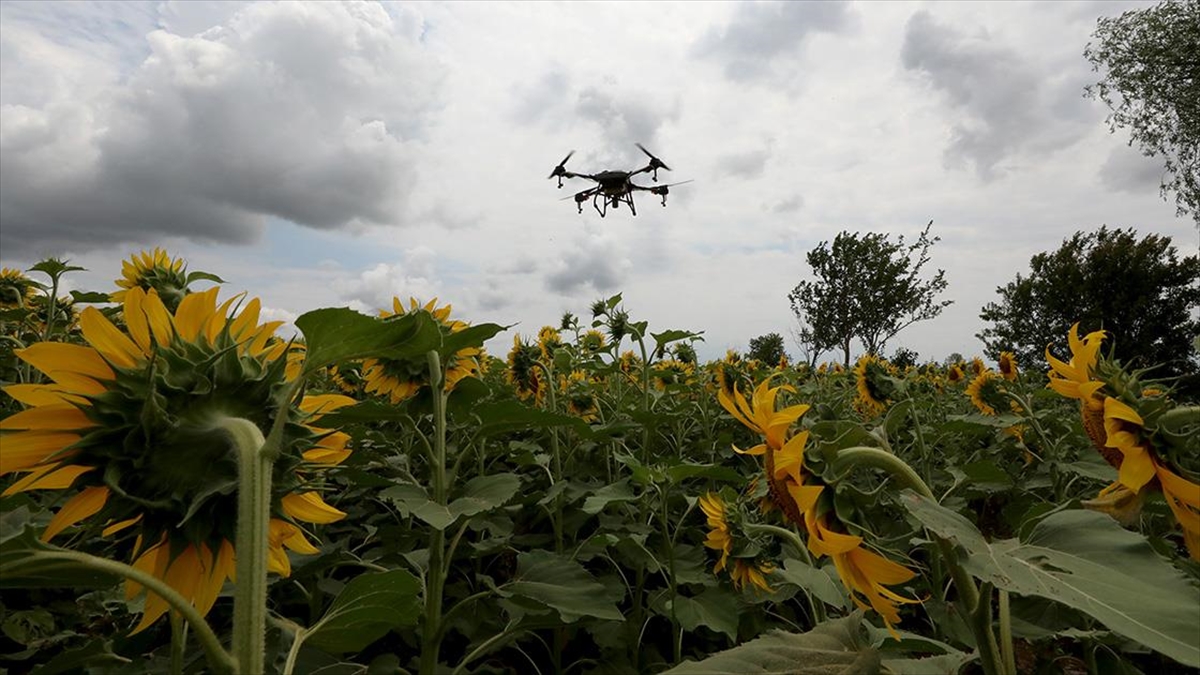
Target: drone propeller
561	170
655	163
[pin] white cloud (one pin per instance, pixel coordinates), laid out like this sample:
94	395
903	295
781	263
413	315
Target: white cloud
311	112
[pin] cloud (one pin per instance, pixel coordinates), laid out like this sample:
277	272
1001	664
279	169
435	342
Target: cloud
1127	170
374	288
761	36
308	112
1003	103
595	262
789	205
746	164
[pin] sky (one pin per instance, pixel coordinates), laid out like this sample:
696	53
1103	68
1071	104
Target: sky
325	154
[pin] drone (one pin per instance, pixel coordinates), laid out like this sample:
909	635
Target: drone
613	188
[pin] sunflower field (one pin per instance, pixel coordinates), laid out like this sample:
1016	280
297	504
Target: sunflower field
186	489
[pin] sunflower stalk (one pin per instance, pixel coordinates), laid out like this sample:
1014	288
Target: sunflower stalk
254	514
435	574
972	603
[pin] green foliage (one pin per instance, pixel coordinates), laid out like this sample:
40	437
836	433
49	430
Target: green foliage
866	288
1141	291
767	349
1151	87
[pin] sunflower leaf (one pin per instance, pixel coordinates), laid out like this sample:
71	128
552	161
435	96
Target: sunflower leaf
560	584
338	334
715	608
832	647
367	608
25	561
1084	560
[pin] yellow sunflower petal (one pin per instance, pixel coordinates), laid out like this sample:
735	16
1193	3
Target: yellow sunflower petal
49	477
193	311
27	449
120	525
51	357
135	319
42	394
113	345
83	505
309	507
62	417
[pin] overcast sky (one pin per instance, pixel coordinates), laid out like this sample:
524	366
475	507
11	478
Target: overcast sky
322	154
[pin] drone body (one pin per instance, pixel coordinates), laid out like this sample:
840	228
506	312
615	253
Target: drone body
612	188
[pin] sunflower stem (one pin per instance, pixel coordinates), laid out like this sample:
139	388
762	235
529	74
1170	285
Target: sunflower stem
435	573
253	531
178	642
814	604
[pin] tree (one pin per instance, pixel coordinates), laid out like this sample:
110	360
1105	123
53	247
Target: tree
767	348
1152	87
866	288
1141	292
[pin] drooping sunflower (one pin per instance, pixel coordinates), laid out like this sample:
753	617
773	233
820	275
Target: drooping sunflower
798	496
400	379
154	269
1076	378
16	289
752	572
955	374
719	537
129	426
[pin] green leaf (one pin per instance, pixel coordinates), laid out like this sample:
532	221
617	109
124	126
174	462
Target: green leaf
367	608
813	580
561	584
716	609
504	416
193	277
338	334
1084	560
831	647
677	473
471	336
89	296
484	493
86	658
666	337
617	492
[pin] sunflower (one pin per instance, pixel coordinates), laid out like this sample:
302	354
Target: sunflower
955	374
128	425
16	289
798	496
753	573
577	392
401	379
986	392
671	372
523	372
1077	379
155	270
593	341
976	366
1007	365
875	390
719	537
549	340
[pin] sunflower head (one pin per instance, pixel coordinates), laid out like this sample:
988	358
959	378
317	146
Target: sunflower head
16	289
132	424
580	396
986	392
618	325
593	341
400	379
671	372
549	341
976	366
629	362
955	374
154	269
875	384
1007	365
523	372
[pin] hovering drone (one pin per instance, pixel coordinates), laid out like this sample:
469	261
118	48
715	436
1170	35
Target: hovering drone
612	188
